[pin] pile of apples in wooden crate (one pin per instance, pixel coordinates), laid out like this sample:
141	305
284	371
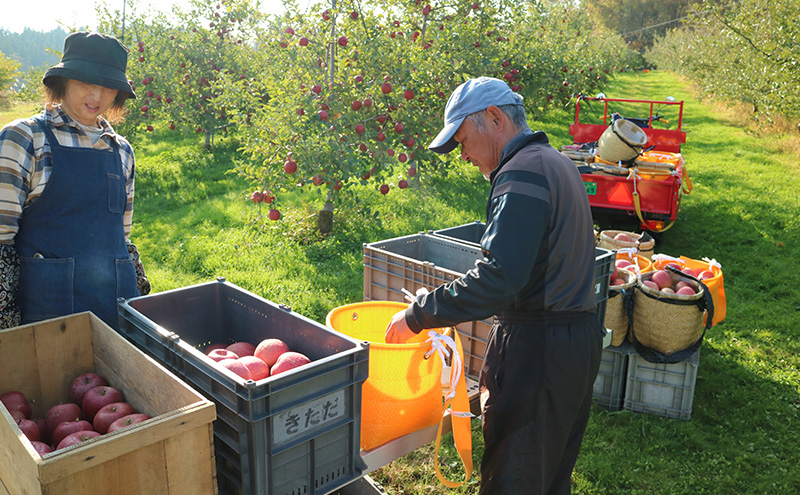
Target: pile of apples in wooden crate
95	408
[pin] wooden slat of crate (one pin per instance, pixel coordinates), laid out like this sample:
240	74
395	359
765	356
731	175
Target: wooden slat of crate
171	454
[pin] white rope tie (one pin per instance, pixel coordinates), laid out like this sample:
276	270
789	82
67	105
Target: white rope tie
630	251
660	257
712	263
634	174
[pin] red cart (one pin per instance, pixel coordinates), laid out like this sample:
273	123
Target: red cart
649	189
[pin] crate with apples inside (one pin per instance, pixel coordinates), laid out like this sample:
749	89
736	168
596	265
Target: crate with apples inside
287	389
84	411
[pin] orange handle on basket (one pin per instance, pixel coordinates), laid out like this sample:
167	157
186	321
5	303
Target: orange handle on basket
461	419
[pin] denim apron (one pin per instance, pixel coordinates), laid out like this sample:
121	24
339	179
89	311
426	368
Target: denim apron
71	239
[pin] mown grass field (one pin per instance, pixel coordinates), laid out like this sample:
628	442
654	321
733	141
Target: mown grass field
193	223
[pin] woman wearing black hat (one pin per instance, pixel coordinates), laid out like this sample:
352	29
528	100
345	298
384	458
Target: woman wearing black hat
66	193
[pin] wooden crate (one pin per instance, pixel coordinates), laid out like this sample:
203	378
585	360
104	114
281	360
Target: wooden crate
170	454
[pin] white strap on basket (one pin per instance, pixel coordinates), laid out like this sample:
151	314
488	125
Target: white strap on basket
630	251
712	263
660	257
440	343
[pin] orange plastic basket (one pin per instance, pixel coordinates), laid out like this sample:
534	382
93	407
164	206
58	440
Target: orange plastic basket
715	284
403	392
644	264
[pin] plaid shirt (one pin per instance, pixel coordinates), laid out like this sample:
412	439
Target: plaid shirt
26	164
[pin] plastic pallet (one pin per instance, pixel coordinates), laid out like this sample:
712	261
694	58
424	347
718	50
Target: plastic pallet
663	389
294	433
609	387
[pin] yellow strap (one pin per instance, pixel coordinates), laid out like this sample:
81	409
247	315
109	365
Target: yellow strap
687	183
462	425
638	208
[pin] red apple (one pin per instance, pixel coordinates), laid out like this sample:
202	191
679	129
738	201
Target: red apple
359	129
412	171
274	214
15	400
686	291
110	413
98	397
289	360
651	284
356	105
242	349
623	237
290	167
42	448
127	421
16	415
62	412
214	347
621	263
83	383
237	367
342	41
689	271
68	428
303	41
268	350
258	368
220	354
29	429
662	278
386	88
76	438
402	184
408	94
384	189
706	274
44	433
668	290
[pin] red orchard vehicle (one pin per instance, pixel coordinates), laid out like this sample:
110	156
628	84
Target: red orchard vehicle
629	166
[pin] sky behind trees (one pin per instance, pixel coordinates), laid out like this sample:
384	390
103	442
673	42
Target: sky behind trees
46	15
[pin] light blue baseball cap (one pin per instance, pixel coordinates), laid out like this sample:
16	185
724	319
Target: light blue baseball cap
470	97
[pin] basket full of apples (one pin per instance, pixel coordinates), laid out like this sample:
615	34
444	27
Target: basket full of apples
80	404
287	389
670	312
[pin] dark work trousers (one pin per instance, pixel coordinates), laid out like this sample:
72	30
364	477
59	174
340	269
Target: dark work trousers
536	391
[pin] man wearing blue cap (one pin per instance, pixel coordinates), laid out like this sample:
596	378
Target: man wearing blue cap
536	278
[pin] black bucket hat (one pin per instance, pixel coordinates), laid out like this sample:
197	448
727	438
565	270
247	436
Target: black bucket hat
95	59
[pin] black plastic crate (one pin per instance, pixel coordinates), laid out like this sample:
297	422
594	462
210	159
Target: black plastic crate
295	433
470	234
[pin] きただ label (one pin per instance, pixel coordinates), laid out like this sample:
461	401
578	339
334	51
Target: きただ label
309	416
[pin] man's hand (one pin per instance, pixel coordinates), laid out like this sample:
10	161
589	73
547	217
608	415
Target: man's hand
398	332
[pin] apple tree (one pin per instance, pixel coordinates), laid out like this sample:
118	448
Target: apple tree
357	91
191	71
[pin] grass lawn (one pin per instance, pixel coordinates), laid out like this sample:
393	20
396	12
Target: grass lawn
193	223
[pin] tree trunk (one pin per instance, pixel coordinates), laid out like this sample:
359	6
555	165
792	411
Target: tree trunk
325	217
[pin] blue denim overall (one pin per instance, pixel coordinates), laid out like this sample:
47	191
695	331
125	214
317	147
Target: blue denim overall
71	239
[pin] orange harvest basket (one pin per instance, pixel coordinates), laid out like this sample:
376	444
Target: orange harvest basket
403	392
715	284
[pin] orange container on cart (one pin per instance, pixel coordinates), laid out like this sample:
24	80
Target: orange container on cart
715	284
